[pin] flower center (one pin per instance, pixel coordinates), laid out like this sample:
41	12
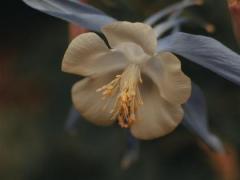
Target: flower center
128	98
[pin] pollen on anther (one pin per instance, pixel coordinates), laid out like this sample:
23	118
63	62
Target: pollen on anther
128	97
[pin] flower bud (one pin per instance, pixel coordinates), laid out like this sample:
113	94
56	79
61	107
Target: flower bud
234	8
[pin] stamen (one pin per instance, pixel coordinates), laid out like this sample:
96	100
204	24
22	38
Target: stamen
128	97
108	89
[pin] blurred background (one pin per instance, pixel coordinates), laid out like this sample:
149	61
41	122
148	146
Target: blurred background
35	101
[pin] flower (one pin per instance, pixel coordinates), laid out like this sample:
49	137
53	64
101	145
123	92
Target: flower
204	51
141	89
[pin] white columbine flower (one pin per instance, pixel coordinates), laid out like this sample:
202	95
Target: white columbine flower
131	70
129	82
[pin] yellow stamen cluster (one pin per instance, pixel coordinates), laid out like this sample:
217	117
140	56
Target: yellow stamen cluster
128	97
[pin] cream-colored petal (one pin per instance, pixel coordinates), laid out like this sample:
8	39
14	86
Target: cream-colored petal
88	54
133	52
156	117
165	71
90	103
139	33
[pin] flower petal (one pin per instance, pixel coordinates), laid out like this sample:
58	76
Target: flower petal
72	119
88	54
90	103
139	33
165	71
131	154
73	11
133	52
195	119
156	117
206	52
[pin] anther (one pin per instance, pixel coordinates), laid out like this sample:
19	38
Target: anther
128	99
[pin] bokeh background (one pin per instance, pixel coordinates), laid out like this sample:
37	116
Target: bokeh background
35	101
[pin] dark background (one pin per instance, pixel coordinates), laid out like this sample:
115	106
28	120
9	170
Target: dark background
35	100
